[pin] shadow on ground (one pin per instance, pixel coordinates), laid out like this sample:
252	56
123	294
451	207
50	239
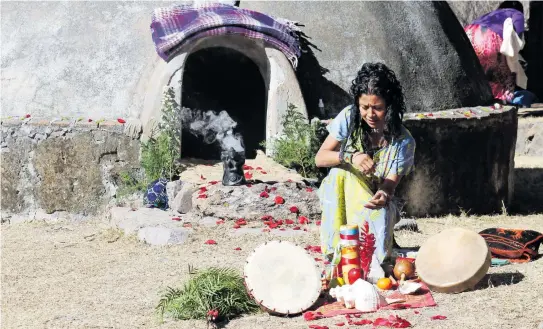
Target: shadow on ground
528	194
499	279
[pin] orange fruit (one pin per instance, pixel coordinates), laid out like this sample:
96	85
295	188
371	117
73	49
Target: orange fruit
384	283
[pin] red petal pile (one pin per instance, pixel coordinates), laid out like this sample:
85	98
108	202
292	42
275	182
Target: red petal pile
393	321
310	316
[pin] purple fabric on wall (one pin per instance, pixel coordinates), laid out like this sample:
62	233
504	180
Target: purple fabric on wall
494	20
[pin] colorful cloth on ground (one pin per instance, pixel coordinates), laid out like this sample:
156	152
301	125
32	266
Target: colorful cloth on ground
345	191
176	26
156	195
423	298
486	44
494	20
516	245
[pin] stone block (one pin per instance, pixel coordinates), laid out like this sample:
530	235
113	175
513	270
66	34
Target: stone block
172	188
132	221
183	200
161	236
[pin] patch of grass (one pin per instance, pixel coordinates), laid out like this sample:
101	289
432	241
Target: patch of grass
130	182
220	289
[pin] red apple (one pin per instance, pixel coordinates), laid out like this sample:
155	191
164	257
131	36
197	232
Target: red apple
354	274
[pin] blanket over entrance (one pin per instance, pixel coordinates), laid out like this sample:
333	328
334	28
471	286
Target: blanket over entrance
176	26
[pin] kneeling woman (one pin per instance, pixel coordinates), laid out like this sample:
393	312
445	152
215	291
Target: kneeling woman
369	151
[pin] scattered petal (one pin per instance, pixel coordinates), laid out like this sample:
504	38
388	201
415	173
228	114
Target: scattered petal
263	172
289	221
303	220
362	322
340	324
187	224
27	116
438	317
310	316
202	177
241	222
238	248
213	182
317	259
121	120
210	242
203	190
266	217
274	189
176	218
236	226
202	196
90	120
220	221
316	326
294	209
264	194
248	175
309	189
258	168
279	200
316	249
249	185
296	228
265	230
246	167
289	180
417	312
318	223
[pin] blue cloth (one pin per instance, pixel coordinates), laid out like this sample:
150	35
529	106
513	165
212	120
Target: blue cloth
156	195
524	98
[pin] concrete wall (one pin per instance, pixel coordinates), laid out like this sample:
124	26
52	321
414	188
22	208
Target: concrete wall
62	166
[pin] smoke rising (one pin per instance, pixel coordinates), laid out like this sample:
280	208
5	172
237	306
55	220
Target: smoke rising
213	127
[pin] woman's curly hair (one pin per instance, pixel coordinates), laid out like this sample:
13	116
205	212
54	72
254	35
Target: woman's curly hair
375	79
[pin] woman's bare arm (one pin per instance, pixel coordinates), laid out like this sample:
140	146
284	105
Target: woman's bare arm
388	186
328	154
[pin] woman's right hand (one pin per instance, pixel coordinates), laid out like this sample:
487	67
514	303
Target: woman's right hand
364	163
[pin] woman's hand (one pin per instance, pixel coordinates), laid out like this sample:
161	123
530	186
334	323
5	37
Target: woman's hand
379	200
363	162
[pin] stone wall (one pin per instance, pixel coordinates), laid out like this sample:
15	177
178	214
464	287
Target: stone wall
62	166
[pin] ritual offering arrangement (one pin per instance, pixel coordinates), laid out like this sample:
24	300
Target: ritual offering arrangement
453	261
350	261
282	278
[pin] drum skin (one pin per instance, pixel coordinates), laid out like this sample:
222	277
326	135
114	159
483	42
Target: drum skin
282	278
453	260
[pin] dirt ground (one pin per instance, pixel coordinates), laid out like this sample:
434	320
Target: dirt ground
84	275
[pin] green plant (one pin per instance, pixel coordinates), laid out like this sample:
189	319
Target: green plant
129	183
220	289
299	143
160	154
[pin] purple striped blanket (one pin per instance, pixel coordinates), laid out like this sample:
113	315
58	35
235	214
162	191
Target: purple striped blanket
176	26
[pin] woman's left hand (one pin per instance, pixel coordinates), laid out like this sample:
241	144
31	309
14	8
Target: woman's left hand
378	201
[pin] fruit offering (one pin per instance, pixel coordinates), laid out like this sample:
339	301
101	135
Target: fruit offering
384	284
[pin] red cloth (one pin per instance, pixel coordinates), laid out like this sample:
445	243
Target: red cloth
423	298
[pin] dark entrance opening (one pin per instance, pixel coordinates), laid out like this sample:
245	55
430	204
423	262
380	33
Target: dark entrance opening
220	79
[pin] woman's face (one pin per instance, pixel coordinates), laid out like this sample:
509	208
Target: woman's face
373	110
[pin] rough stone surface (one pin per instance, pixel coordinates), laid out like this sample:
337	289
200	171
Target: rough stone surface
161	236
406	224
74	171
246	202
172	188
431	54
463	163
528	184
530	137
131	221
183	200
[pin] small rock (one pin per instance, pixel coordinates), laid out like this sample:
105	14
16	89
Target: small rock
161	236
208	221
407	224
172	188
183	200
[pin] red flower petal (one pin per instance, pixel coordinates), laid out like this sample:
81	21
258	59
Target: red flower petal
282	229
249	185
202	196
264	194
210	242
241	222
303	220
289	180
274	189
213	182
309	189
265	230
267	217
220	221
279	200
438	317
258	168
176	218
317	259
316	326
202	177
273	225
417	312
248	175
27	116
294	209
362	322
187	224
381	322
263	172
289	221
296	228
340	324
238	248
236	226
90	120
121	120
318	223
247	167
279	222
203	190
316	249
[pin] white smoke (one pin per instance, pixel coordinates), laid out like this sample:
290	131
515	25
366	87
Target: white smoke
213	127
